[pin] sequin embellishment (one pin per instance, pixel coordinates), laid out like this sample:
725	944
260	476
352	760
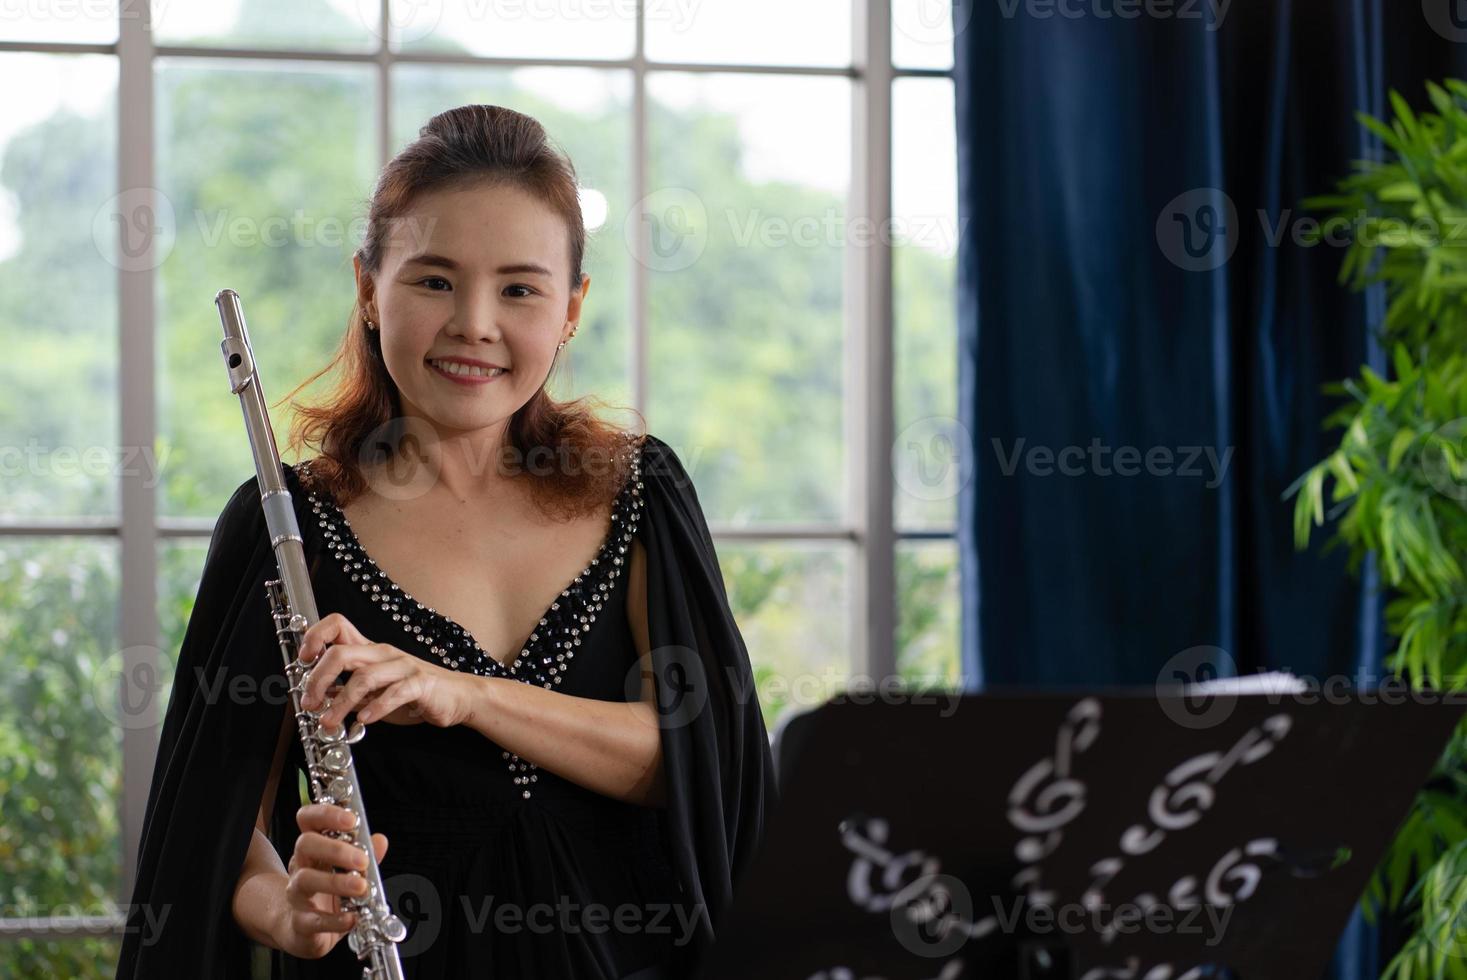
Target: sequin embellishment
547	654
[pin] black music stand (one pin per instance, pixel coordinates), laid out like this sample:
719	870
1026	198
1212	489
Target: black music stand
1083	836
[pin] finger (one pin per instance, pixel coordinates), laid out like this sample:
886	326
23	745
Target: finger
379	844
306	921
332	628
388	701
322	817
338	659
317	851
305	884
366	681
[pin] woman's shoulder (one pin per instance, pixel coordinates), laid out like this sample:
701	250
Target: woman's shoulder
662	464
243	514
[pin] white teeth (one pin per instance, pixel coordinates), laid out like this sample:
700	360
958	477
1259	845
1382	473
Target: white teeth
454	367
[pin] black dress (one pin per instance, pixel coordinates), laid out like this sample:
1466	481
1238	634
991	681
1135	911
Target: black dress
500	868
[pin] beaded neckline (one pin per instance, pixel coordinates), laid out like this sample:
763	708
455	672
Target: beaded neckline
544	657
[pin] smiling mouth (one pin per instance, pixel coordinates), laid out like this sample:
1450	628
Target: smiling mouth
467	372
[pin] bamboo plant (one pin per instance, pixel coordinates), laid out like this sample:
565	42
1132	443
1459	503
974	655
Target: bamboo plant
1396	487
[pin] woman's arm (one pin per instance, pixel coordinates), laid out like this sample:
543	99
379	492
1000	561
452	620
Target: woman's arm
259	897
610	747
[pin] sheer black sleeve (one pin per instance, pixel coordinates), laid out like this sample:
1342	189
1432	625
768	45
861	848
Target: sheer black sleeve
716	756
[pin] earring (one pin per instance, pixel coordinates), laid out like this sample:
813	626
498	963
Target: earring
369	323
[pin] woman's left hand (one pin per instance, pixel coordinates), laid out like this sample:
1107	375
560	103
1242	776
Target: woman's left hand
387	684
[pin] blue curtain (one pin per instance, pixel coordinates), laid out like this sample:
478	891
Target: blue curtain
1141	340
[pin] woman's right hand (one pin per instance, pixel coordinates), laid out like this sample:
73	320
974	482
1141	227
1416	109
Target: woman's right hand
314	920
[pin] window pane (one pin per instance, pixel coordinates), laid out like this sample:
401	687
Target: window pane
345	25
276	218
90	22
60	734
516	29
58	286
73	958
933	455
587	113
928	616
792	605
180	567
744	224
763	32
922	33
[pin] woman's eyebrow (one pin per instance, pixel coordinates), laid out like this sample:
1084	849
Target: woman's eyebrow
443	261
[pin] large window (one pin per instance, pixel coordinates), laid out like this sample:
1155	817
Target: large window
771	194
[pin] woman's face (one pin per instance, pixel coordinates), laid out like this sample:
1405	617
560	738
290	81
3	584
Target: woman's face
474	275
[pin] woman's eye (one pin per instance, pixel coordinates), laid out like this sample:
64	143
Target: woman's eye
422	282
528	290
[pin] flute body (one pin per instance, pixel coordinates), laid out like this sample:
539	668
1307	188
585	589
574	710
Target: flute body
331	773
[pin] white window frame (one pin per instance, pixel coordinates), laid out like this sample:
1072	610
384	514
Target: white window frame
868	318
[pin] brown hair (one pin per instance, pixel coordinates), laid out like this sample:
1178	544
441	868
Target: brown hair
469	145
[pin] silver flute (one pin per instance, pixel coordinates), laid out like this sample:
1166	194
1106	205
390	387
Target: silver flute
333	778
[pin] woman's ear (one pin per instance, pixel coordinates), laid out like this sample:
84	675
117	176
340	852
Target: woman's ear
366	290
577	297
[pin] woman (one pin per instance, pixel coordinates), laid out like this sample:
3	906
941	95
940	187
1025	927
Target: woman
566	767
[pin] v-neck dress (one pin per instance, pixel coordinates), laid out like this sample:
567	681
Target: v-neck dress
499	867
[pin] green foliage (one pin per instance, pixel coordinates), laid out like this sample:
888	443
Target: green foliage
1397	484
